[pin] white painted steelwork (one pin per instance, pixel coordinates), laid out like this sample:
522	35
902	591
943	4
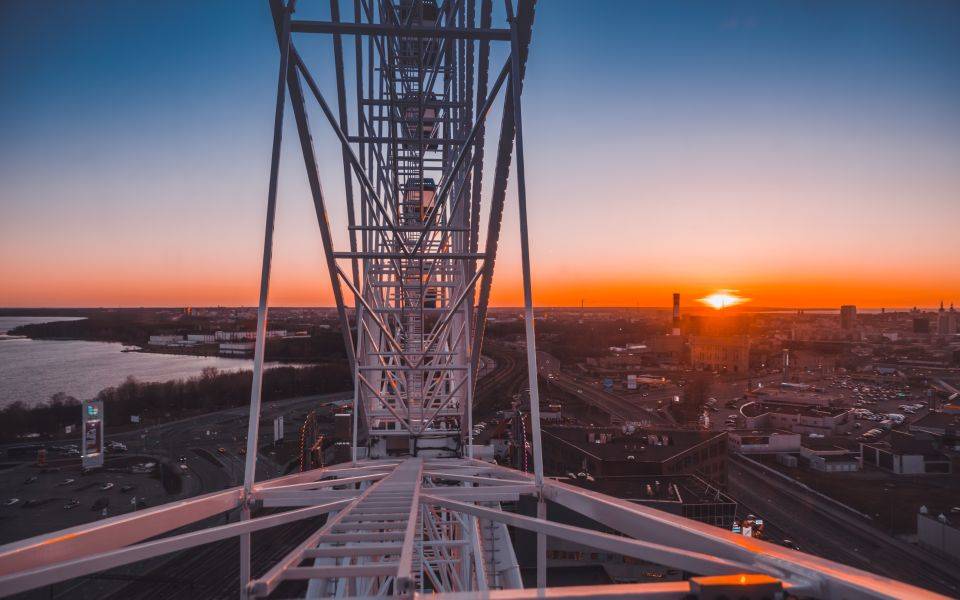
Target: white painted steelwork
402	528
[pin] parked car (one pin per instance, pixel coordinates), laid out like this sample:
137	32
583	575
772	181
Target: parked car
790	544
72	503
116	447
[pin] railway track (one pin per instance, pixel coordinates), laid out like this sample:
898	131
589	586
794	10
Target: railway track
495	391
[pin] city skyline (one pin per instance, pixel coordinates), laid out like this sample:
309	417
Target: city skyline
806	156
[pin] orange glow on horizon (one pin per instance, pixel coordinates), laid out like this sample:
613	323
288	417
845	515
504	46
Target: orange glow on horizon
723	299
235	283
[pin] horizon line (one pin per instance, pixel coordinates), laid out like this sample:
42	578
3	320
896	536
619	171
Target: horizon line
738	308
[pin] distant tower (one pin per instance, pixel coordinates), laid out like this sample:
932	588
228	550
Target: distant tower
676	314
947	321
848	317
786	365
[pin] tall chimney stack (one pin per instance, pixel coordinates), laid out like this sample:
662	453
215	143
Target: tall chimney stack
676	314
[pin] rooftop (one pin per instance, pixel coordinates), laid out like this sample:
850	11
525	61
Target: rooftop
758	408
820	445
901	442
759	432
840	458
612	444
793	395
937	421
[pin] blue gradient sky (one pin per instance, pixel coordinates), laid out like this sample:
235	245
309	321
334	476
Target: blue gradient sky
805	153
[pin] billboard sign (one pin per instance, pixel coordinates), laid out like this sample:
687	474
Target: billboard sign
278	428
92	444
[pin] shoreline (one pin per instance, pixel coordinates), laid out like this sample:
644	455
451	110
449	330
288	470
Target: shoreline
83	368
201	350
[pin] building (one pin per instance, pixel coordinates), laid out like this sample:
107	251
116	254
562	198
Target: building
669	349
847	462
798	418
938	423
947	321
940	532
810	361
796	393
201	338
237	336
675	330
848	317
164	340
236	348
907	454
828	458
721	354
609	452
748	441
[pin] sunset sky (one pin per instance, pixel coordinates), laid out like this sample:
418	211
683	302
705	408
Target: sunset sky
804	153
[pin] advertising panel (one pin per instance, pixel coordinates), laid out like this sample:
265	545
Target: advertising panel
92	443
278	428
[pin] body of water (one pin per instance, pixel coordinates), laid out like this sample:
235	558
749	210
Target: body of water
33	370
8	323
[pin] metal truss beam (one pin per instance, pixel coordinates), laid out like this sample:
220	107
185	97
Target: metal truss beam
655	553
376	29
385	519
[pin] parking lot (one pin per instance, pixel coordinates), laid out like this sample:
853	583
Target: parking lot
60	496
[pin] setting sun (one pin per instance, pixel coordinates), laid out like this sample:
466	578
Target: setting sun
723	299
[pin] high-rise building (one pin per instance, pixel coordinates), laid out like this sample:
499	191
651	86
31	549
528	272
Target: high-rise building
848	317
946	321
728	354
676	314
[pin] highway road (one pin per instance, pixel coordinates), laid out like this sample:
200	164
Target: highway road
620	408
225	429
823	529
